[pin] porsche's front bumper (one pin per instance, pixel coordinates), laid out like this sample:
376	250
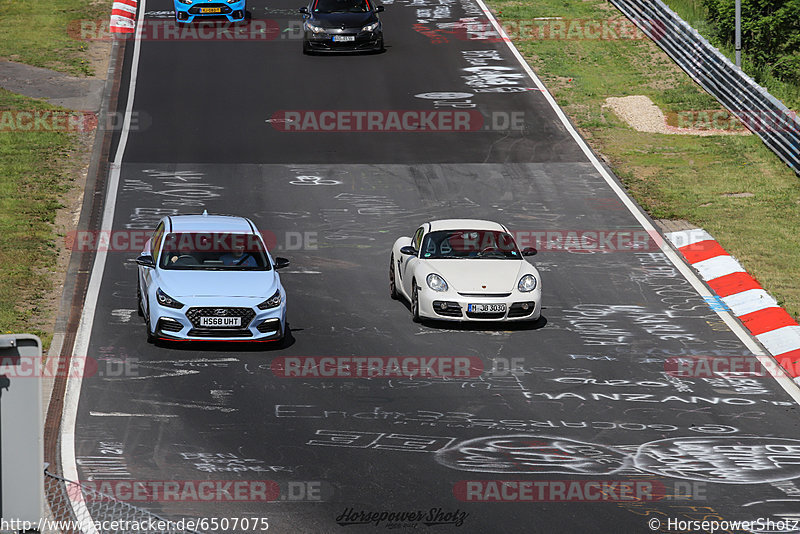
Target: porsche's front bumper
453	306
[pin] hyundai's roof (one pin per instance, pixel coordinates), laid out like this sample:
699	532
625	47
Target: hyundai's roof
210	223
465	224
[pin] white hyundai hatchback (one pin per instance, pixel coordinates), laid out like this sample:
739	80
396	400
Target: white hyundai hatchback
465	270
210	278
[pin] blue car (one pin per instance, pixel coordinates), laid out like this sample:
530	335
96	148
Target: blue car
210	278
187	10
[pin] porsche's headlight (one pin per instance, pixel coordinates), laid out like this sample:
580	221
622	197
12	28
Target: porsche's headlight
314	29
370	27
527	283
273	302
166	300
436	282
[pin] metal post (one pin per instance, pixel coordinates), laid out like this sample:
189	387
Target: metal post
739	33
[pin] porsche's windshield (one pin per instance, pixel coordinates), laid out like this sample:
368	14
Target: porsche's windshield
451	244
341	6
213	251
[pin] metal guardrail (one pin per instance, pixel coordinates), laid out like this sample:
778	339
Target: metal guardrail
760	112
74	507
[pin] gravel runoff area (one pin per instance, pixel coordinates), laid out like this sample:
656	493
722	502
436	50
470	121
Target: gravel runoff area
641	114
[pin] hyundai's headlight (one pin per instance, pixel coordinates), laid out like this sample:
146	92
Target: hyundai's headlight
186	1
370	27
273	302
166	300
314	29
527	283
233	1
436	282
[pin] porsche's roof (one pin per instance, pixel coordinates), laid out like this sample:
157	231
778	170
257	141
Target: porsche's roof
465	224
210	223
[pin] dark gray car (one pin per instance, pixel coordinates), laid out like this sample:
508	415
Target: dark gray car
342	26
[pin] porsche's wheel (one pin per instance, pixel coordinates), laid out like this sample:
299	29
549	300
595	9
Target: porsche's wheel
306	48
392	285
414	303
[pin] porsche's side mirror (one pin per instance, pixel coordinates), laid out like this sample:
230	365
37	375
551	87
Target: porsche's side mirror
146	260
303	10
408	251
529	251
379	9
280	263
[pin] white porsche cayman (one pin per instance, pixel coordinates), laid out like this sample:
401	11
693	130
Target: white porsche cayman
465	270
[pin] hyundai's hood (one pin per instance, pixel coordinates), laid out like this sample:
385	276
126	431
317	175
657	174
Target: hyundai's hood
471	275
186	283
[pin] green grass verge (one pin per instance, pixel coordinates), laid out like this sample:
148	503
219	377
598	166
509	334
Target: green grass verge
32	179
671	176
36	33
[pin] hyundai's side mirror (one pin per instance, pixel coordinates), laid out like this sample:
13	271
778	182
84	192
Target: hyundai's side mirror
146	260
280	263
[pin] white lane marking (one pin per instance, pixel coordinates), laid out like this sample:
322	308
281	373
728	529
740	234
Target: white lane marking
206	407
768	361
193	360
684	238
780	340
302	272
123	414
123	315
81	347
179	372
718	266
749	301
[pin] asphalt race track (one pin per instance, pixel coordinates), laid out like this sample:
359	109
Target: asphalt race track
587	397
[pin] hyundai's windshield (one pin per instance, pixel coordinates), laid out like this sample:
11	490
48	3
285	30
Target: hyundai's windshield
213	251
447	244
